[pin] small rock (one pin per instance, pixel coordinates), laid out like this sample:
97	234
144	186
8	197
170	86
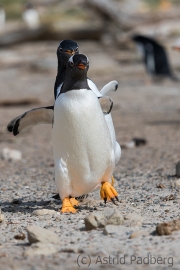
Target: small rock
115	218
37	234
138	233
16	201
160	185
20	236
133	219
94	221
169	197
178	169
167	228
1	216
42	212
115	229
11	154
177	183
41	249
101	219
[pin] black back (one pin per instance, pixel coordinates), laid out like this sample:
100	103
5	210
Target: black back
153	49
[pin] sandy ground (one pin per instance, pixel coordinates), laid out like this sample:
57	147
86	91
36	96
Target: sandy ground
141	109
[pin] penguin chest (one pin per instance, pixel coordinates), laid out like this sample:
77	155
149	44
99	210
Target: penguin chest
81	140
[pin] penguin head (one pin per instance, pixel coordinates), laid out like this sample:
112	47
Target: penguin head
66	49
78	64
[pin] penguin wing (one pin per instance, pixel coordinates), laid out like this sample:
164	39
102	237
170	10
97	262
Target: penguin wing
109	87
106	104
42	115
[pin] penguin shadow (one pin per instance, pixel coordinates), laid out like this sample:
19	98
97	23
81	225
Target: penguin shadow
18	205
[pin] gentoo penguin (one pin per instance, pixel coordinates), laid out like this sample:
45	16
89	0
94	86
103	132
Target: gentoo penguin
176	46
154	56
65	50
82	147
2	17
31	16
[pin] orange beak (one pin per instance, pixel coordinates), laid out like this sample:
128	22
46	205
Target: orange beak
176	48
70	52
81	66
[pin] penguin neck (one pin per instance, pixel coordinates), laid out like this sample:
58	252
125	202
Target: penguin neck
75	84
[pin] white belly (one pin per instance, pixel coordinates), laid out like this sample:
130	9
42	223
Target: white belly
82	146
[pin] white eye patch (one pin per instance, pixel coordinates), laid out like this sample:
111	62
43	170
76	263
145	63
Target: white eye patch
71	60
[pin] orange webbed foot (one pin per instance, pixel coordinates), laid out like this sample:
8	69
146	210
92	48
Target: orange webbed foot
74	202
108	192
67	206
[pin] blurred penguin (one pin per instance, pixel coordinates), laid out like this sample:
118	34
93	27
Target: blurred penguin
2	17
154	56
176	46
31	16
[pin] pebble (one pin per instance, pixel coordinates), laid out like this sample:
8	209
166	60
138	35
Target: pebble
138	234
42	212
1	216
37	234
11	154
167	228
115	229
133	219
101	219
177	183
41	249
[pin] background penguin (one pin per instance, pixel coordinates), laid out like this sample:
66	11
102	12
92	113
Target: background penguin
31	16
2	17
154	56
83	151
44	115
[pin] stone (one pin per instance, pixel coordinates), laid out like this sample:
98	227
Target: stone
42	212
177	183
160	185
178	169
138	234
133	219
115	229
167	228
114	217
41	249
1	216
11	154
94	221
101	219
20	236
37	234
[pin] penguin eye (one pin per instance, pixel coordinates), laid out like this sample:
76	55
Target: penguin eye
61	50
72	64
76	50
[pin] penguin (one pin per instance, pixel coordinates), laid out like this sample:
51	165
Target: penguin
176	46
82	146
2	17
154	56
42	115
31	16
45	115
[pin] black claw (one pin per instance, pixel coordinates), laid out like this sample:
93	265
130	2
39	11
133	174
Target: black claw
112	199
117	198
105	200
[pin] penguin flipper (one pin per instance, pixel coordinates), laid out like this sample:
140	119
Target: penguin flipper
42	115
109	87
106	104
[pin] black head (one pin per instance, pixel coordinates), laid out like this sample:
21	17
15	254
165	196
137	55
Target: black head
78	64
66	49
76	73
